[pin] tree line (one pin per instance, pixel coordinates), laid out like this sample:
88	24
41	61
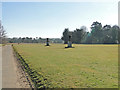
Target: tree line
33	40
4	39
99	34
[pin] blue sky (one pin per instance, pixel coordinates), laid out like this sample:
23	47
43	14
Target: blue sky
49	19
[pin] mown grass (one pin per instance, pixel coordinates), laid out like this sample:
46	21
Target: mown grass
84	66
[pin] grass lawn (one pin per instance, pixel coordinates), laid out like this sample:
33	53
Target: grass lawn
84	66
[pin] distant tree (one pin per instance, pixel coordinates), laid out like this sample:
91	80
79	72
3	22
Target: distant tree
119	35
84	34
34	40
23	40
39	40
106	27
88	38
96	32
74	37
19	40
79	35
110	34
65	35
106	34
30	40
84	28
114	33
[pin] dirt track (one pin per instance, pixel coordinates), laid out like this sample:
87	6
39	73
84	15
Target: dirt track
12	74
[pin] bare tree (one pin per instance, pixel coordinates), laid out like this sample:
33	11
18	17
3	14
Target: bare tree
2	35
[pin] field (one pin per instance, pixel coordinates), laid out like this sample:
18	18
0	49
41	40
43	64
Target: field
84	66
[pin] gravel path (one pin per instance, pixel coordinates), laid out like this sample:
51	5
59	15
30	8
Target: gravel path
0	67
12	74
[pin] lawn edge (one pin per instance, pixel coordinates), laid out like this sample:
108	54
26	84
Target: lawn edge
36	80
23	69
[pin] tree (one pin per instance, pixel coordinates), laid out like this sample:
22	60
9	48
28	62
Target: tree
100	35
106	27
83	34
114	34
84	28
79	35
119	35
88	38
96	32
74	37
2	34
106	34
65	35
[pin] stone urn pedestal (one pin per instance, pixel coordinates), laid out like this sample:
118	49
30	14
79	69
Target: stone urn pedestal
47	42
69	43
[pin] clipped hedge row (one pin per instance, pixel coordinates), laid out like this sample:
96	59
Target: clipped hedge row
38	80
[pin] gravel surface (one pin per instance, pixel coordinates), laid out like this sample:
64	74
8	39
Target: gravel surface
12	74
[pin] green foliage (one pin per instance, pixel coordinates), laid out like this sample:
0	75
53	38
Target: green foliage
93	66
78	36
105	34
33	40
65	35
98	34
